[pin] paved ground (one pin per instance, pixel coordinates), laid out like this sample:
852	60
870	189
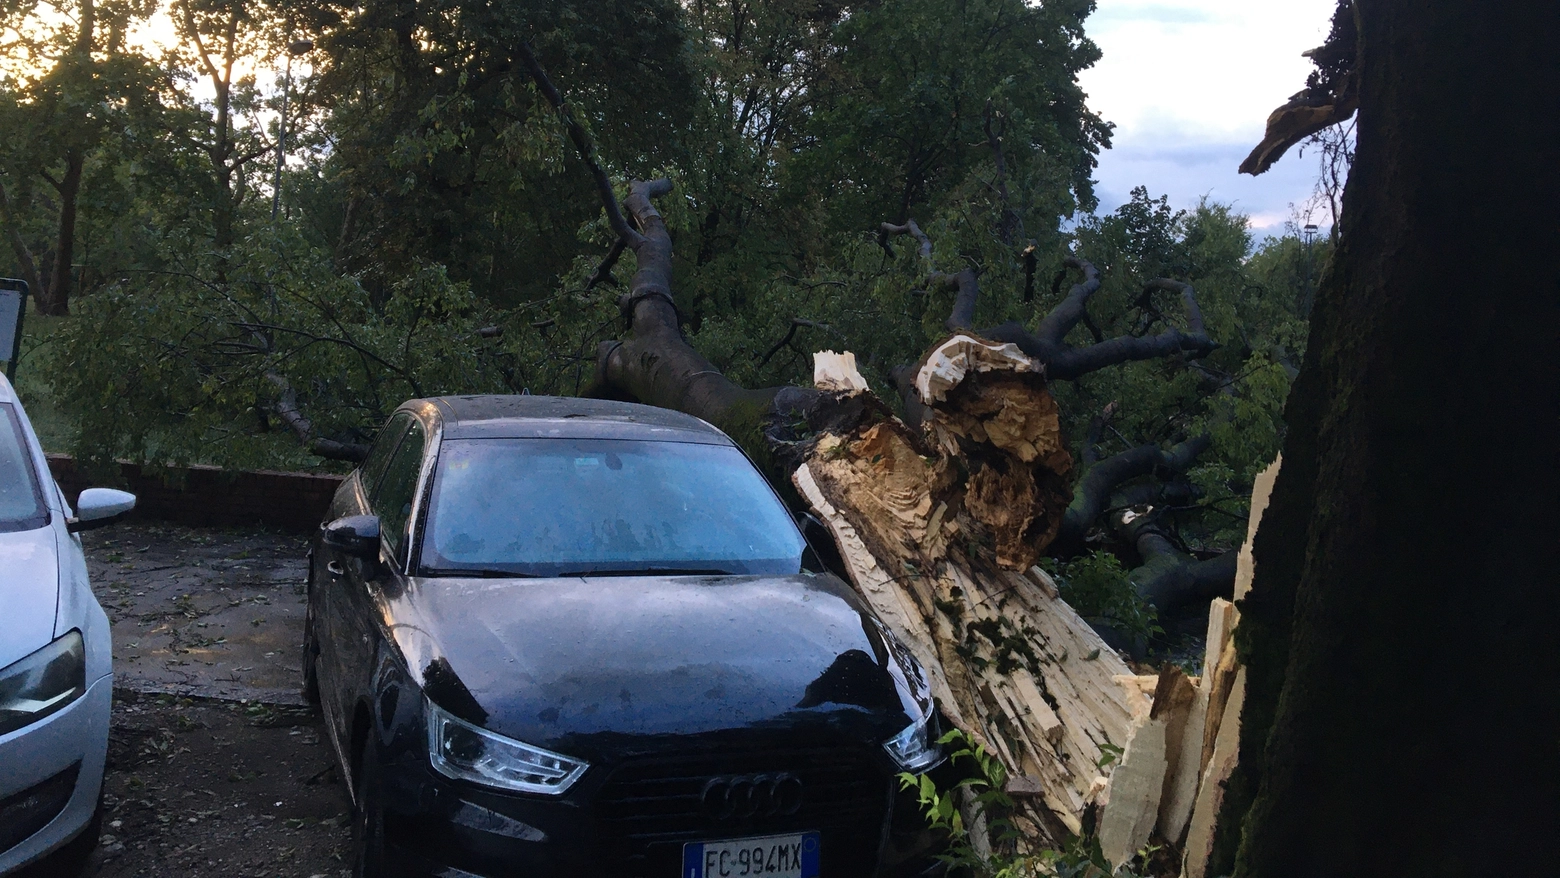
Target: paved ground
212	770
202	612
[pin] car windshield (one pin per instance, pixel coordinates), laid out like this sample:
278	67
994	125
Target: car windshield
561	507
21	503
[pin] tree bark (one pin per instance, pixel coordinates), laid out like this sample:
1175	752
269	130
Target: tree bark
19	248
1400	635
55	301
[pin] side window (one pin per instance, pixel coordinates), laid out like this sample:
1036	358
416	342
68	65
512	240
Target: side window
393	499
373	466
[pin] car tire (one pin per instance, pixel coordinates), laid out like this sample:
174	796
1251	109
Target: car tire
368	816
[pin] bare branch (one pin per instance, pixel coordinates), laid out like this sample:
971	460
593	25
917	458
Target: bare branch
1194	317
964	283
582	143
1066	362
910	228
1097	425
1010	218
796	323
1054	326
603	272
1030	262
1092	496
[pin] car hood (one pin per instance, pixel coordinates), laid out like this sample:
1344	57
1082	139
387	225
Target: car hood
29	592
563	660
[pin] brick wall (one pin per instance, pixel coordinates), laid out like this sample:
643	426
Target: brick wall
209	496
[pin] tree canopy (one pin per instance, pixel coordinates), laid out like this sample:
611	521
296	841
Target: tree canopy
438	232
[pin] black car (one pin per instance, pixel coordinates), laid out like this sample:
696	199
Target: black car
575	637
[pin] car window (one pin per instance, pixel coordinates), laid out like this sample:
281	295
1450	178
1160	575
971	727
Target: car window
21	501
373	466
549	507
393	500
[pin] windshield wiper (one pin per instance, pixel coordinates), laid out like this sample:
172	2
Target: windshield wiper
650	571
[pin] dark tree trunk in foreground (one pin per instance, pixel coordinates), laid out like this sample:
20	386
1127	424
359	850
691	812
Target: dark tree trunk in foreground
1403	696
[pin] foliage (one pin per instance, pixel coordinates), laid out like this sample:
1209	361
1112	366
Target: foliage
182	364
982	793
423	165
1096	585
1254	304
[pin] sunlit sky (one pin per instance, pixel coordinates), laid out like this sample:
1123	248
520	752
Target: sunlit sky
1189	84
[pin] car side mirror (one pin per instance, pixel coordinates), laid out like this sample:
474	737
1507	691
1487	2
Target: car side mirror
356	536
97	507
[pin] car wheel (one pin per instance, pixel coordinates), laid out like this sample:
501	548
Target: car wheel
368	817
311	652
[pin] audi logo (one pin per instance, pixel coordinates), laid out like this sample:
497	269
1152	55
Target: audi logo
752	795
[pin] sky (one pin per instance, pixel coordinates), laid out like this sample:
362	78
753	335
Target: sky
1189	85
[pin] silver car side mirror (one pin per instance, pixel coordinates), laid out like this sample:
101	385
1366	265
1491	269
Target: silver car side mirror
97	507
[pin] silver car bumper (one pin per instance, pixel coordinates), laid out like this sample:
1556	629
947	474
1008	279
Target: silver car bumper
31	756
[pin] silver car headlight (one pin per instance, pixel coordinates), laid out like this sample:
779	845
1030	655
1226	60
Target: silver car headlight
42	683
915	749
465	752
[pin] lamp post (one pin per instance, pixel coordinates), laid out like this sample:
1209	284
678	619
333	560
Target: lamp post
294	49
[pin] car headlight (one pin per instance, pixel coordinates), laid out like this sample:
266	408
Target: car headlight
42	683
465	752
916	749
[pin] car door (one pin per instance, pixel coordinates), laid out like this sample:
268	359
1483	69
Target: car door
328	597
393	500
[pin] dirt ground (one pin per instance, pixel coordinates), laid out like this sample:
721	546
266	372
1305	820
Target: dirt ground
214	767
206	788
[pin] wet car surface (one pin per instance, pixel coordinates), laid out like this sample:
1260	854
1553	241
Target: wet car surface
580	637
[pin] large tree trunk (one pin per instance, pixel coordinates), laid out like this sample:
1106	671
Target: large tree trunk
1400	638
55	301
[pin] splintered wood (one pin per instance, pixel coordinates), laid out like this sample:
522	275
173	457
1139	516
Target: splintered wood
1008	660
837	372
939	530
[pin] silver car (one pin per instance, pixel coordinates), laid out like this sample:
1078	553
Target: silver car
55	658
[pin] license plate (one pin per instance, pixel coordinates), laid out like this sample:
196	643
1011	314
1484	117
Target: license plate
773	856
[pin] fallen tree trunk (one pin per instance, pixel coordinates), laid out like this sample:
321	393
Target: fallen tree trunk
938	524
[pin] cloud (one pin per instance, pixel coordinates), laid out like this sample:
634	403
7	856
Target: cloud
1156	12
1189	85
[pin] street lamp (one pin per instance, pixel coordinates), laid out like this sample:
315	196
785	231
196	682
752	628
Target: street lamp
294	49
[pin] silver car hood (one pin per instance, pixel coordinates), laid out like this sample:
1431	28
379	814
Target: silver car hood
29	591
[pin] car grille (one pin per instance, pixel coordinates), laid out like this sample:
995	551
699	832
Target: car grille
649	806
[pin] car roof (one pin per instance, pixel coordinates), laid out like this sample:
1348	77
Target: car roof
562	417
7	393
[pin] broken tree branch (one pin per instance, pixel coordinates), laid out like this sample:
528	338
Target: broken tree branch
1092	496
286	408
1330	97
